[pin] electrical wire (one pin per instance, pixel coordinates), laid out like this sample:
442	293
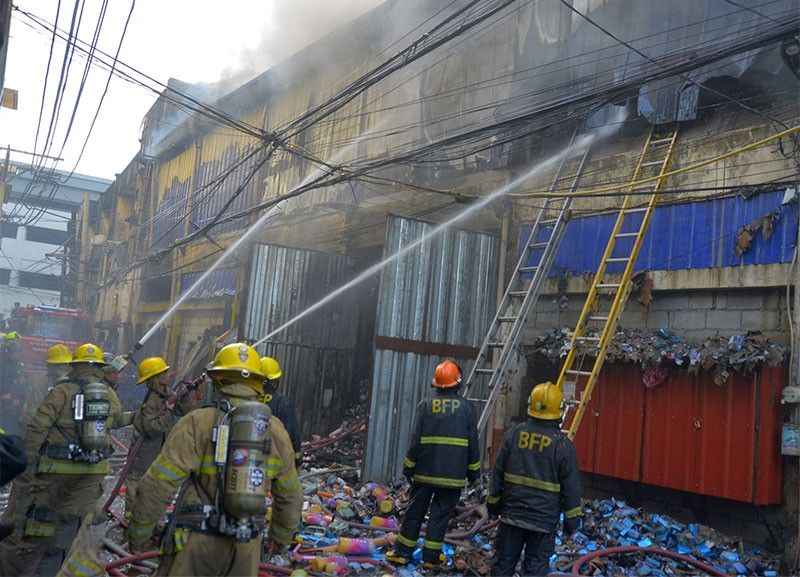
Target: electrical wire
674	172
654	61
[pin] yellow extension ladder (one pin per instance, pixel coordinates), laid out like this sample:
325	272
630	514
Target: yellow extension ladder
606	300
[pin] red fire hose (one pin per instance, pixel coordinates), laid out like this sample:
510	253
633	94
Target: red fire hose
132	559
576	567
264	567
125	470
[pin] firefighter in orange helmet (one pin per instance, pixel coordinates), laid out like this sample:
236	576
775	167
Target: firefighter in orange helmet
442	457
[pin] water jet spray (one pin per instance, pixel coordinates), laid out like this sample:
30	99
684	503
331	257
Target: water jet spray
580	144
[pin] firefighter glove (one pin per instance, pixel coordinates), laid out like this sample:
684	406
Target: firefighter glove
493	509
408	474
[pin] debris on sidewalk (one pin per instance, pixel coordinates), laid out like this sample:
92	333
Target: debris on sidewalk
720	354
612	523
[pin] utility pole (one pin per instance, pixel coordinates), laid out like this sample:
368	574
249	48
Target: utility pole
83	252
3	184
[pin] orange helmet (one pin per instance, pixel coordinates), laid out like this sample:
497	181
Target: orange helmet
447	375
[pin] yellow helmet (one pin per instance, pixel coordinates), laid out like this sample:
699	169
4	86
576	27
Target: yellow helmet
88	353
242	362
58	355
150	367
545	401
271	368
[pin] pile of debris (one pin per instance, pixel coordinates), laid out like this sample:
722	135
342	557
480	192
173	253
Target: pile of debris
344	446
611	523
647	348
348	525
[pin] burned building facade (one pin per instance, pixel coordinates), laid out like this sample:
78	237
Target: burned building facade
426	144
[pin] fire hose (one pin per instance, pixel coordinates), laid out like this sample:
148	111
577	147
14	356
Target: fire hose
186	388
576	567
124	473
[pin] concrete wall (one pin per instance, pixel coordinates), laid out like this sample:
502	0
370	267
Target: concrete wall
694	315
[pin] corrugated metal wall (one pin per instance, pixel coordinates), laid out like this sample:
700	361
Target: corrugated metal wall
317	354
436	301
686	236
688	433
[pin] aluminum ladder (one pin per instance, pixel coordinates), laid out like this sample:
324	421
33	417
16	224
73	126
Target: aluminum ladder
606	300
526	283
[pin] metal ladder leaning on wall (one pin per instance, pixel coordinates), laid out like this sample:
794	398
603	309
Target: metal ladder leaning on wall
654	162
525	285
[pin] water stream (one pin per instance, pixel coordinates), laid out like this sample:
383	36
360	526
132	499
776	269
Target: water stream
580	144
251	232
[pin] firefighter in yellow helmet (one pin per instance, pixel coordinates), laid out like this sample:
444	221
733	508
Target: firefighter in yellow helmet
57	361
535	478
442	456
280	405
67	443
223	459
153	420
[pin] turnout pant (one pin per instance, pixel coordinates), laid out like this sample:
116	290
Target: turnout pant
204	554
51	524
509	544
442	507
131	482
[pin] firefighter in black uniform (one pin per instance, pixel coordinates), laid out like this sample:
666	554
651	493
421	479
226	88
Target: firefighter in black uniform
443	455
535	478
280	405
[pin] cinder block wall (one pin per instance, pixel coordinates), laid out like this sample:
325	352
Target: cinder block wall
694	315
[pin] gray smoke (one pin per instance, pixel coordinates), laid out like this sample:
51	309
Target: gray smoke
295	24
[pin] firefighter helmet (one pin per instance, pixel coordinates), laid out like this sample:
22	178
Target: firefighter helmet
88	353
150	367
241	362
271	368
447	375
58	355
545	401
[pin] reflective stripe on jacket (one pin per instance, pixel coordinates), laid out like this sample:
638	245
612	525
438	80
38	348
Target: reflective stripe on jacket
53	425
444	448
188	454
535	476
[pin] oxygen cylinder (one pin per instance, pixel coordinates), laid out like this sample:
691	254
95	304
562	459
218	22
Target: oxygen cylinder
249	445
92	409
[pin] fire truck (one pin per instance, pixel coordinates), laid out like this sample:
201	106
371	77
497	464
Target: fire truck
42	327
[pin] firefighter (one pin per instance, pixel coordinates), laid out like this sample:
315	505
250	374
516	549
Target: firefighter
12	464
222	459
12	457
443	455
280	405
57	360
153	420
535	478
68	444
13	382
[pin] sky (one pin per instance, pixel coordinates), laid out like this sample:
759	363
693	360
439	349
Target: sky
192	40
